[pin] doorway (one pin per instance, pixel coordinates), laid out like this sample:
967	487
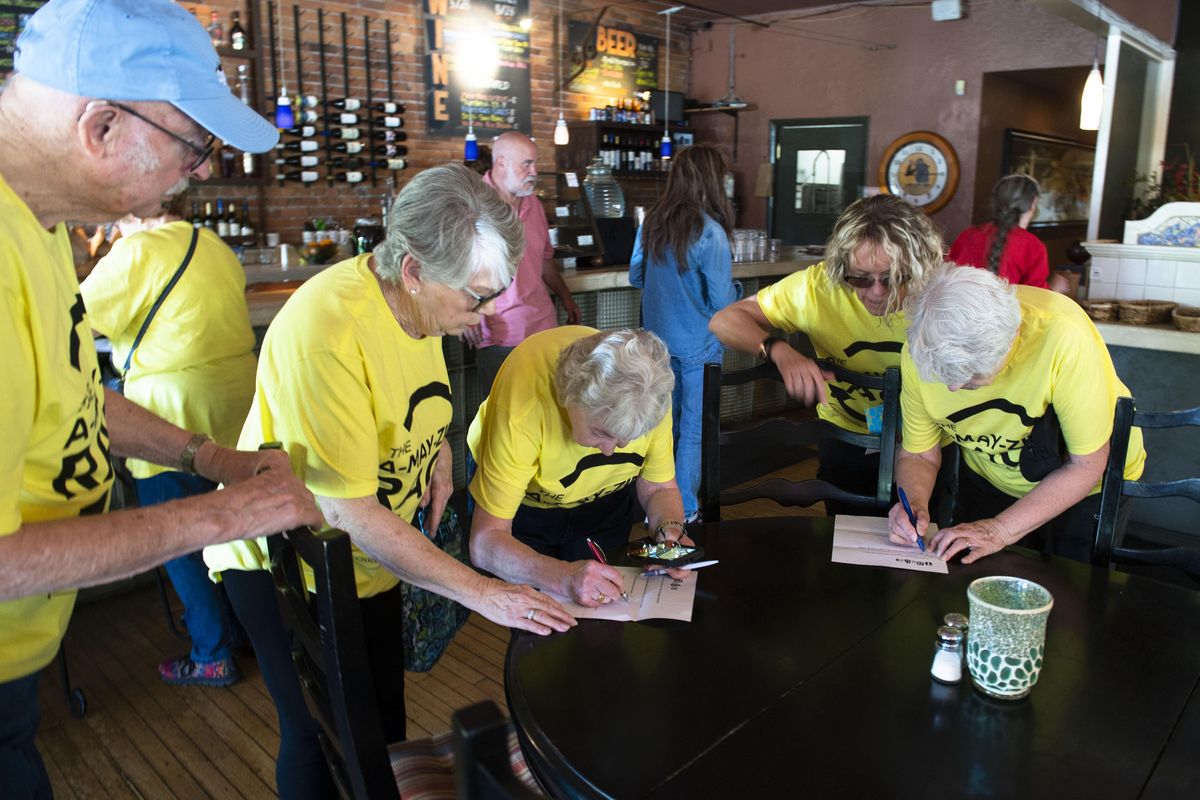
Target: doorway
819	170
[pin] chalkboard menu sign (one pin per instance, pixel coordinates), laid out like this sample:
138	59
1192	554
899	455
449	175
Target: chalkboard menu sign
13	16
476	65
620	62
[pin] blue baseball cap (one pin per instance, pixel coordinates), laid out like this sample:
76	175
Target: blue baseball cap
148	50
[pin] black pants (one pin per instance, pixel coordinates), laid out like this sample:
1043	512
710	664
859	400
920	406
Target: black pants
1070	534
848	467
300	768
563	532
22	773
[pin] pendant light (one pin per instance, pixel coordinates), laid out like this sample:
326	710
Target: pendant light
664	147
561	134
284	117
1091	103
470	144
731	99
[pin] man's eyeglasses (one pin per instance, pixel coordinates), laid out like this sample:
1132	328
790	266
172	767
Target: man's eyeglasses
202	152
482	300
867	281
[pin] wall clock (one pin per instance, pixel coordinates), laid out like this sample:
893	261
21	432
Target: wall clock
922	168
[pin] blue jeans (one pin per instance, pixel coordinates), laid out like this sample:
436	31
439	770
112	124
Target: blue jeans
204	606
687	414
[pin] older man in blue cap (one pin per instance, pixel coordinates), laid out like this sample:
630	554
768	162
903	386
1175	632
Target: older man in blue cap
112	108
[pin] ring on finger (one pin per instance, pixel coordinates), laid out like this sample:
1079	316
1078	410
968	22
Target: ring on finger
532	611
600	597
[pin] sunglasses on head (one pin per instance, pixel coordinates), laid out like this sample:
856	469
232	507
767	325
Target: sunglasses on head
867	281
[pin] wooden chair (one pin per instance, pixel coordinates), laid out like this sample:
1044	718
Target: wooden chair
779	432
1110	549
329	648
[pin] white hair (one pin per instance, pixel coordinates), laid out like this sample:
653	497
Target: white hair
622	379
455	226
962	324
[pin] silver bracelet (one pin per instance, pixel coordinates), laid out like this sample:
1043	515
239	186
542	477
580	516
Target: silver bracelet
187	459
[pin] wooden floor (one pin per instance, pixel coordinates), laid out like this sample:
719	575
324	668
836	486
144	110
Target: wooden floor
143	739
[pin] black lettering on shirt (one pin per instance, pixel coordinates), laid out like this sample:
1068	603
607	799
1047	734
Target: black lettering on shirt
998	404
854	348
596	460
426	392
77	312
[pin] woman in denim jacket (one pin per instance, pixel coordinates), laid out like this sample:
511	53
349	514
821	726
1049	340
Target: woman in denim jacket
682	263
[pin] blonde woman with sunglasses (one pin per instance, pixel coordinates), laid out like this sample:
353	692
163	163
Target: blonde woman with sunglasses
849	306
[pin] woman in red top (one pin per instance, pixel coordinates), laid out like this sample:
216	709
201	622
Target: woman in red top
1003	245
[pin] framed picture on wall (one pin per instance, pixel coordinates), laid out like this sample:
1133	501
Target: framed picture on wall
1063	169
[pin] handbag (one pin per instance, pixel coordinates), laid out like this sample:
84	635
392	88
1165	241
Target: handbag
118	385
431	620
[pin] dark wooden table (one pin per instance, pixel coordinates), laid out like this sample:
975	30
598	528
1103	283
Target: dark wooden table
800	676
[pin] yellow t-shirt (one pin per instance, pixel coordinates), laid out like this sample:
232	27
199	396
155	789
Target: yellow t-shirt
195	365
359	405
521	439
54	459
841	330
1060	359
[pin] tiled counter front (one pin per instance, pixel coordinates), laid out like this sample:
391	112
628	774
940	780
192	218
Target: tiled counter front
1141	272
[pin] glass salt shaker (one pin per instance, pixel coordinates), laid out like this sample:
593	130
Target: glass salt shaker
947	655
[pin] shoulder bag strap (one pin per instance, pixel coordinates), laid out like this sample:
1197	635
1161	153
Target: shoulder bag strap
154	308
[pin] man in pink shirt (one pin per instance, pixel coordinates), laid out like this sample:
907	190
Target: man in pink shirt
525	307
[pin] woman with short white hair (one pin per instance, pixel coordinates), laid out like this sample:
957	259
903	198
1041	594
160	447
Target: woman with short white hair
573	441
1020	379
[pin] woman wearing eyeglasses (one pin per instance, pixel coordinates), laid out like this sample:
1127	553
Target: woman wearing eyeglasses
353	384
850	308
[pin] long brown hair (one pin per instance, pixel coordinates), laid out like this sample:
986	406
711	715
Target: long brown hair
695	187
1012	196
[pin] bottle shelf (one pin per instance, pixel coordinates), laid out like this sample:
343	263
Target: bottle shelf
225	51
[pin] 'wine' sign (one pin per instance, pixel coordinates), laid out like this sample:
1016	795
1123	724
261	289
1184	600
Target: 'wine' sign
476	67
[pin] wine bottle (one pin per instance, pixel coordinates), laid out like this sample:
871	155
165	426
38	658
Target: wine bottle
348	147
390	135
208	217
222	222
347	104
247	228
391	122
342	118
344	133
346	163
390	150
388	107
304	176
303	145
303	131
391	163
349	177
197	220
234	227
243	79
299	161
237	34
249	165
309	101
216	31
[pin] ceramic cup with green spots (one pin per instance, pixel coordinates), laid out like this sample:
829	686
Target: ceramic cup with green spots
1007	635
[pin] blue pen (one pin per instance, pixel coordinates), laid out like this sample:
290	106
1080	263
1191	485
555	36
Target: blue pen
911	516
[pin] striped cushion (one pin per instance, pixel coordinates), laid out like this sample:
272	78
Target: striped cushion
424	768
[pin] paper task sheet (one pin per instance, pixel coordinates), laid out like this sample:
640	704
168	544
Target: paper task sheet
864	540
650	597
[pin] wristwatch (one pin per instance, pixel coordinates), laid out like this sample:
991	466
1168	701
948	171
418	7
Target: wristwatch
764	347
187	459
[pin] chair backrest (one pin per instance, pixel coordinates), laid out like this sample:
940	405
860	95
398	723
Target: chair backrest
483	768
329	648
1109	546
779	432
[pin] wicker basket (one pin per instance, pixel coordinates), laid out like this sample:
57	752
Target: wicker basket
1187	318
1101	310
1146	312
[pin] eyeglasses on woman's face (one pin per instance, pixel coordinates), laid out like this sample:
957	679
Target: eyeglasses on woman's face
482	300
868	281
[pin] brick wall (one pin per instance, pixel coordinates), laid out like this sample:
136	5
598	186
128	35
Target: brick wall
289	205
